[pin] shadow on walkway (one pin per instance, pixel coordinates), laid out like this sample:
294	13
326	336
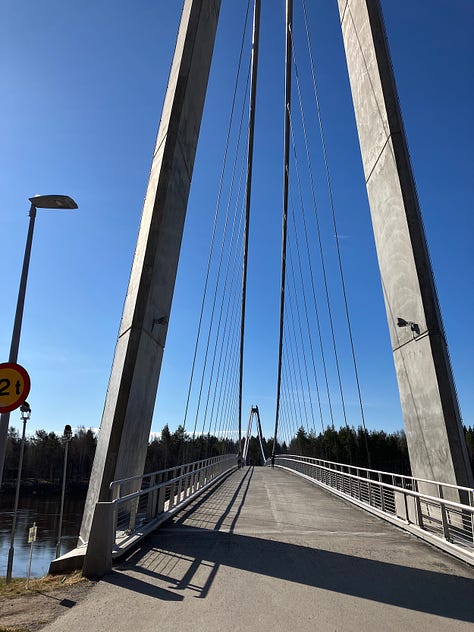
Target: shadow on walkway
187	556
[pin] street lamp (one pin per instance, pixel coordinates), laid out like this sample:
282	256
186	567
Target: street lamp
58	202
25	415
67	436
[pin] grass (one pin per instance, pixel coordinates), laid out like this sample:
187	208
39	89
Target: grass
17	586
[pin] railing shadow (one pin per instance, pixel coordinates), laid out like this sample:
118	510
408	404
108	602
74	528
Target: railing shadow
223	498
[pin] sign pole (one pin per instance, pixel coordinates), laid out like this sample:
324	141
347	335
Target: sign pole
25	415
31	541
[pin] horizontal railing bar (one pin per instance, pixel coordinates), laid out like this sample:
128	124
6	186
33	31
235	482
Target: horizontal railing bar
365	469
120	481
168	483
409	492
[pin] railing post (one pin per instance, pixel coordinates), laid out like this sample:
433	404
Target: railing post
174	493
161	499
444	520
407	515
382	499
418	511
471	517
133	513
151	502
183	486
191	478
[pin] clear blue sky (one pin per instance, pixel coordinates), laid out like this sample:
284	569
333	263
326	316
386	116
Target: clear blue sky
82	89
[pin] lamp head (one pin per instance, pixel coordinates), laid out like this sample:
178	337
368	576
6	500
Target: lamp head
25	407
25	410
53	201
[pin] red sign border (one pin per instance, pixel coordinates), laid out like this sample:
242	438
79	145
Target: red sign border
27	385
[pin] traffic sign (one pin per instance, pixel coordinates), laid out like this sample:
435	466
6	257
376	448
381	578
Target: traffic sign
32	532
14	386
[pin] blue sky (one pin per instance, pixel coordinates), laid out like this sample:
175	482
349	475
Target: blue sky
82	91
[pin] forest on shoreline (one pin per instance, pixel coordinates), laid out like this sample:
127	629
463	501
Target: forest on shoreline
44	452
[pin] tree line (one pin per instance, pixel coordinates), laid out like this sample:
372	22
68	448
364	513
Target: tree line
43	458
44	452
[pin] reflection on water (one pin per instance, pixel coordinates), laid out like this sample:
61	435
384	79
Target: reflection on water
45	512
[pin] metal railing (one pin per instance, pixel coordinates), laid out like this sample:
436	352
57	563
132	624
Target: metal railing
139	504
141	500
440	513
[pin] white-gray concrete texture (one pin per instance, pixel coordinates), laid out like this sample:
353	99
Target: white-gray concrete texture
270	552
428	397
131	393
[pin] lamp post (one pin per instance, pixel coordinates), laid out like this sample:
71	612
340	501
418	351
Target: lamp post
58	202
67	436
25	415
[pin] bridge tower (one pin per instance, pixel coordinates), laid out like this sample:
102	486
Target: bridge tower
430	409
128	410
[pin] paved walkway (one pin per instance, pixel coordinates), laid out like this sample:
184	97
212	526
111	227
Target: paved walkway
268	551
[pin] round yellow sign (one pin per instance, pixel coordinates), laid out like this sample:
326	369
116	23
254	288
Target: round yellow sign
14	386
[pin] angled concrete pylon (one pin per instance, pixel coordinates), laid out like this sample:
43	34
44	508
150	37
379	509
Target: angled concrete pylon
131	393
430	409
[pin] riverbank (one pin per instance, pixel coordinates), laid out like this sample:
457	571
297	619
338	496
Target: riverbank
28	610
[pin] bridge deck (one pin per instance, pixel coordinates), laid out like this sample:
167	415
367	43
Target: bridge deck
269	551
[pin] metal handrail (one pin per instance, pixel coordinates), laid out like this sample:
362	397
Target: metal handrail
145	506
121	481
396	488
148	490
446	523
119	524
412	479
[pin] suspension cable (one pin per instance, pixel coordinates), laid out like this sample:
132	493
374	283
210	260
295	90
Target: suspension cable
300	328
227	372
286	173
295	350
216	214
333	214
233	240
230	308
250	143
291	396
219	267
321	254
300	268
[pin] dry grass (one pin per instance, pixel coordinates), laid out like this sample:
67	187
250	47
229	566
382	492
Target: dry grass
17	586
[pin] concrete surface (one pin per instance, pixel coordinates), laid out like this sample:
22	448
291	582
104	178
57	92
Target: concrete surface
268	551
430	409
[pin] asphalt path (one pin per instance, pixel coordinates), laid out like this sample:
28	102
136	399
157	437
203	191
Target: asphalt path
268	551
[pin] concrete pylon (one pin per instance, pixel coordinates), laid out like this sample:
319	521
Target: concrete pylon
131	393
430	409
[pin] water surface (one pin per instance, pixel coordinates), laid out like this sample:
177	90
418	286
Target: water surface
45	512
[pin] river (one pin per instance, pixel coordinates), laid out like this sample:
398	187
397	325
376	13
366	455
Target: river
45	512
